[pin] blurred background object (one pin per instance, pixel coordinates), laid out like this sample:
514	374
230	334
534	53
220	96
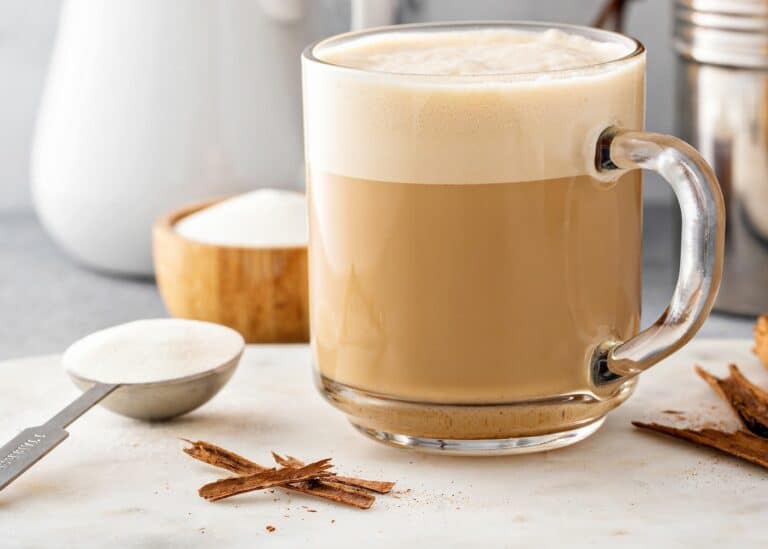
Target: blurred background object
722	108
613	15
149	105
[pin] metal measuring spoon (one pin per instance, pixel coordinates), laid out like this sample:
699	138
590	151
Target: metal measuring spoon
155	401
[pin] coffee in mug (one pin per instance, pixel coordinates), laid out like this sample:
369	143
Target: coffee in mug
476	228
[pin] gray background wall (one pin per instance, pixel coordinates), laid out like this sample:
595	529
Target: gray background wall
27	31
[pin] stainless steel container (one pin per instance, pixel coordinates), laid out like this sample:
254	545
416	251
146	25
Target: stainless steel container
722	106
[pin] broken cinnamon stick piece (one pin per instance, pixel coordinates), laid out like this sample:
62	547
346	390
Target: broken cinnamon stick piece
232	486
339	493
761	339
220	457
287	461
378	486
748	400
739	444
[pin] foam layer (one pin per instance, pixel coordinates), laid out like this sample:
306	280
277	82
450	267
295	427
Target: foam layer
480	52
468	109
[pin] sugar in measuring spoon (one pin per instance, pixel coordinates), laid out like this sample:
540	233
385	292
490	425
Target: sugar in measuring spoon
153	369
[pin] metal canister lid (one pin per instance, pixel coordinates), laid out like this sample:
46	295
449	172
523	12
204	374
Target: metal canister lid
723	32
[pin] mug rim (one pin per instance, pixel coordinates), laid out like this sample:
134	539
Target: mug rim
636	49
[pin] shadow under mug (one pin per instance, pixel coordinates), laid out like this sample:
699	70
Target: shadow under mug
475	243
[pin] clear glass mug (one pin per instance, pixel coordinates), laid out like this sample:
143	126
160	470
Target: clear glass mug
475	245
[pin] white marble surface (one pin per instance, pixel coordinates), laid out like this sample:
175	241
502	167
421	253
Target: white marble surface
120	482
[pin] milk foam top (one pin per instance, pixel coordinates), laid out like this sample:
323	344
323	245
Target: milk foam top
479	52
461	105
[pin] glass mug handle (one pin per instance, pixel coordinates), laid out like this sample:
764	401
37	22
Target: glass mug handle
701	250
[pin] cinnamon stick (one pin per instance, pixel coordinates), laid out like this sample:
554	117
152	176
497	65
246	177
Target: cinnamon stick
286	461
740	444
225	459
612	15
748	400
333	491
378	486
220	457
761	339
232	486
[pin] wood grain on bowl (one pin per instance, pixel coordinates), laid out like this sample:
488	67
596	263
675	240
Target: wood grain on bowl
260	292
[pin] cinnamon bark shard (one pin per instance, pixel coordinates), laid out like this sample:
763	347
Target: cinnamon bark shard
225	459
339	493
286	461
378	486
232	486
220	457
748	400
739	444
761	339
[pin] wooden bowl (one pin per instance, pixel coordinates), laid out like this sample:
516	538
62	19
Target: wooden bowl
260	292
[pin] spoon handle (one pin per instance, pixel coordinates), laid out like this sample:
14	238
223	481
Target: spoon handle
33	443
81	404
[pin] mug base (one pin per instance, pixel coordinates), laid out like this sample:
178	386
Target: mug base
474	428
485	447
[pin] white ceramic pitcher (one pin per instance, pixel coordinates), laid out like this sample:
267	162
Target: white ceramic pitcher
150	105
